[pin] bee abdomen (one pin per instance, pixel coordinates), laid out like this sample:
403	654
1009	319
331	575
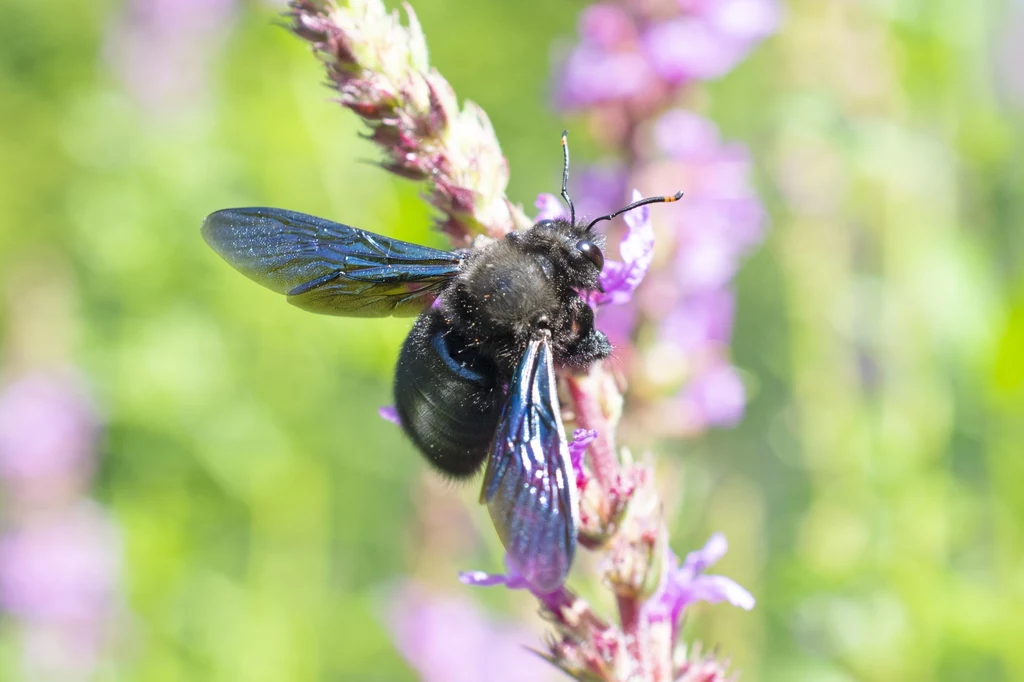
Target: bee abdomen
448	398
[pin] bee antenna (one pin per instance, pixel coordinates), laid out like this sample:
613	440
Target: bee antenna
637	204
565	177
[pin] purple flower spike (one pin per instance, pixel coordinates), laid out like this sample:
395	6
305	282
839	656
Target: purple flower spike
686	584
620	279
390	414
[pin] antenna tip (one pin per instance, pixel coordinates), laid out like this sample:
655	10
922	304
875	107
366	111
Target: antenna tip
565	135
675	197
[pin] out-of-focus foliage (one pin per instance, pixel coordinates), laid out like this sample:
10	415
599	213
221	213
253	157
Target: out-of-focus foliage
872	495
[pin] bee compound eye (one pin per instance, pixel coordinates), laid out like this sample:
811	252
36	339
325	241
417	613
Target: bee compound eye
592	253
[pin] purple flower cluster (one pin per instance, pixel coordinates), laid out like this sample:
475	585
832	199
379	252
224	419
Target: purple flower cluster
634	51
687	304
687	584
634	61
59	554
590	648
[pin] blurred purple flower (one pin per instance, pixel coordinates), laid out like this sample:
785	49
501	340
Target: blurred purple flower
598	190
161	48
721	203
687	584
698	322
48	427
688	301
709	40
617	322
592	74
685	136
607	25
624	54
449	639
705	261
686	49
714	397
61	569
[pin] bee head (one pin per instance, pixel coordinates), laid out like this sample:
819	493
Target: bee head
576	254
574	248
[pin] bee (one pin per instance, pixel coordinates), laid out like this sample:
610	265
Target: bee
475	379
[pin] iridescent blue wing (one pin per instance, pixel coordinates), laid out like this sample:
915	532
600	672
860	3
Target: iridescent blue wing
529	487
326	267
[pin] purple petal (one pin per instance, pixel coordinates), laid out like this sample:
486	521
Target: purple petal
708	555
620	279
686	584
484	579
512	578
581	438
389	413
717	588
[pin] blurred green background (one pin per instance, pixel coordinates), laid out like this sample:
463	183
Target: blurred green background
873	495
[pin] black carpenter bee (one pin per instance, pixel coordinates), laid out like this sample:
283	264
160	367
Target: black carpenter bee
476	374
